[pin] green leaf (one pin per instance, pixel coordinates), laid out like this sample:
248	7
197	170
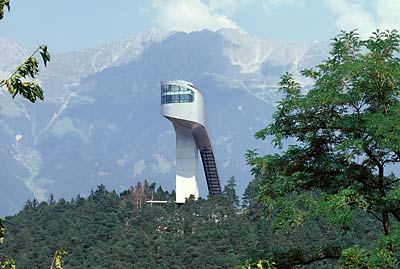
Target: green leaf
2	231
37	91
7	263
45	54
44	57
59	263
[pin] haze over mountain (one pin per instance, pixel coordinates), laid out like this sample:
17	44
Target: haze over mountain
101	122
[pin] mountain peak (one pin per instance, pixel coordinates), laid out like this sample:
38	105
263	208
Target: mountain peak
11	55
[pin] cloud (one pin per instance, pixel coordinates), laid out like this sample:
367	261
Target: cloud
269	5
194	15
388	13
226	6
354	15
138	168
163	166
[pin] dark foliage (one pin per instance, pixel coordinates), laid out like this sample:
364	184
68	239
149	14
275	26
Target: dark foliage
110	230
107	230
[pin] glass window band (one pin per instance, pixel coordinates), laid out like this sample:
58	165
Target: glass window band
176	94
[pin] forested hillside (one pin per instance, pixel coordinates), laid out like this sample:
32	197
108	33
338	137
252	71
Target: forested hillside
110	230
328	197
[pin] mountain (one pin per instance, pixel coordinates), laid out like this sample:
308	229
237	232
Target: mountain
11	55
101	120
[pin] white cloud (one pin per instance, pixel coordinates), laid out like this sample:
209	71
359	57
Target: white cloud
138	168
162	166
102	173
269	5
194	15
354	15
227	6
388	12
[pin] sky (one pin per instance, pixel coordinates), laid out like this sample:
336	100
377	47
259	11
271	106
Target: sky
68	25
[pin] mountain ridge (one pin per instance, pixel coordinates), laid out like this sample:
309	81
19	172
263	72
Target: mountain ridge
102	123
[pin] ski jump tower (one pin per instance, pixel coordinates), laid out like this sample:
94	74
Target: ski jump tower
183	104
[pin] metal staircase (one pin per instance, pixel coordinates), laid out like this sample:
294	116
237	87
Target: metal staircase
210	171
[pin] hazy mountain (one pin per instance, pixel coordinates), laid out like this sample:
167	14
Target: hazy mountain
11	55
101	120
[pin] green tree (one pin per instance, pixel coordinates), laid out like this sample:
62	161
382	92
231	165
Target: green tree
230	192
345	130
105	230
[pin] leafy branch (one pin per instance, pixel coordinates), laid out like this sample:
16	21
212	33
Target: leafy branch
2	232
3	4
28	69
58	262
7	262
260	264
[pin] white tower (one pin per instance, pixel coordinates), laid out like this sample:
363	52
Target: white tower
183	104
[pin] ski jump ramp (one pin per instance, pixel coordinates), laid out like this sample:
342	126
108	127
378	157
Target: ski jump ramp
183	104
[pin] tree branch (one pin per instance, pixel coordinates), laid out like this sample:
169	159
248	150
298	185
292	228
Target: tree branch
309	261
396	214
16	70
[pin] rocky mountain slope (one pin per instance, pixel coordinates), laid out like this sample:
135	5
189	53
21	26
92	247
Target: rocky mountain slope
101	120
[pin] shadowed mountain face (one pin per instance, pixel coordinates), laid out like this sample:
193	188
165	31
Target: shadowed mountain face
103	124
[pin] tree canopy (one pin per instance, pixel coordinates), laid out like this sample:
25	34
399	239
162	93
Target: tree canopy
107	230
340	145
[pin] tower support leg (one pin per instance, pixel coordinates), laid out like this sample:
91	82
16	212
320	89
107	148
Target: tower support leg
186	164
